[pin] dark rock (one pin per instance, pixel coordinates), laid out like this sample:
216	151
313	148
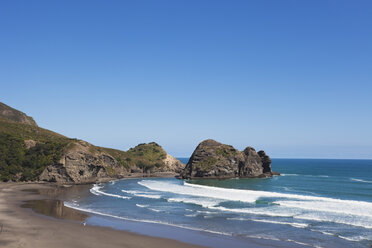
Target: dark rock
212	159
266	161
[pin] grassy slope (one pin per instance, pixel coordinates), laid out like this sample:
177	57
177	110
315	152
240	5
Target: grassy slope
19	163
144	156
15	115
26	131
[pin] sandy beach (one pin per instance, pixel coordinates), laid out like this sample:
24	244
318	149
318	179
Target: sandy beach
58	226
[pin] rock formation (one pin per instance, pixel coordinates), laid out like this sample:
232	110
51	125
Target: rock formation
31	153
212	159
85	163
79	165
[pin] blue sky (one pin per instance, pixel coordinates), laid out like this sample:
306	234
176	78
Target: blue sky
291	77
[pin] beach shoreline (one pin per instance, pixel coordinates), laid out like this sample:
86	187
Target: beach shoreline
43	214
59	226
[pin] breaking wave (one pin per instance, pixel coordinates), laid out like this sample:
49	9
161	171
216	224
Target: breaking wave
87	210
306	207
141	194
96	190
360	180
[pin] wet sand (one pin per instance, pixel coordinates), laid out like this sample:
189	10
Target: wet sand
33	215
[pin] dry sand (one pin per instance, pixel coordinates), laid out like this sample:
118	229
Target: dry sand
21	227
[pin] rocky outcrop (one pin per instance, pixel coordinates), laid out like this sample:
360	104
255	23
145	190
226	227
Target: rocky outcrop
173	164
12	114
266	161
30	143
39	154
212	159
80	165
85	163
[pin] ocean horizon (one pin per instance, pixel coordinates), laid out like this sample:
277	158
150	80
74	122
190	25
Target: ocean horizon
314	203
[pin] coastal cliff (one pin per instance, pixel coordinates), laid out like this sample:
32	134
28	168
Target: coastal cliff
31	153
212	159
83	163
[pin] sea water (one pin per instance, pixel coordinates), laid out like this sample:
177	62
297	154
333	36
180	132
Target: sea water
314	203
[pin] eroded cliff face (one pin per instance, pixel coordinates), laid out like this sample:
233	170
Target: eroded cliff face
79	165
84	163
212	159
172	164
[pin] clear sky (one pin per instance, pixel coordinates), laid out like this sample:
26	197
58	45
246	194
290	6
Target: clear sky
291	77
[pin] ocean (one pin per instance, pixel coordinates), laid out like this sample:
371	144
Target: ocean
314	203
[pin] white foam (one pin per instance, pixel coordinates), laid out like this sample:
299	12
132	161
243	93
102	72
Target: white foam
141	194
204	202
269	211
142	206
146	221
129	191
360	180
314	208
323	232
263	236
347	207
249	196
191	215
336	218
287	189
205	212
240	219
294	224
304	175
208	216
301	243
186	189
154	209
96	190
149	196
269	237
353	238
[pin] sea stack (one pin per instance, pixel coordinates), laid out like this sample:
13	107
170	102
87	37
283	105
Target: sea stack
212	159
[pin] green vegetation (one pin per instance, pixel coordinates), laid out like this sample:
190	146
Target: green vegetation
206	164
12	114
226	152
146	156
223	152
29	132
21	163
110	171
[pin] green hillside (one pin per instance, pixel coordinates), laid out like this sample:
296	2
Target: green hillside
26	149
19	163
12	114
